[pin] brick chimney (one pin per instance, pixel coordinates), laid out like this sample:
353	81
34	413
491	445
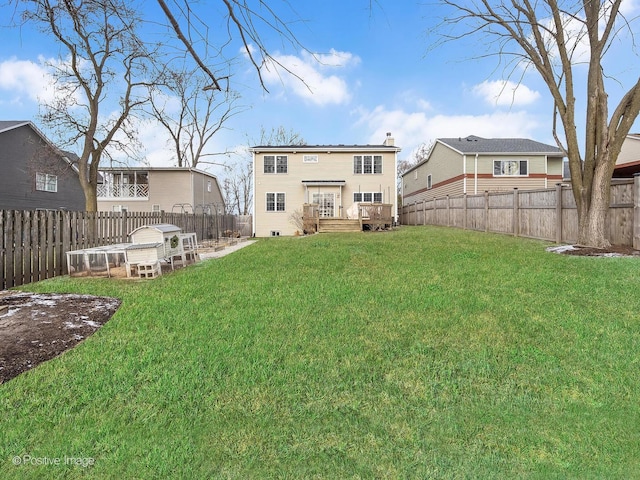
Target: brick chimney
389	141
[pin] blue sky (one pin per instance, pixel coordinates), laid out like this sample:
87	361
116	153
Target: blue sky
375	75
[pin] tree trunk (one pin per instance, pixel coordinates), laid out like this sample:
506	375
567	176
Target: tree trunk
90	197
592	225
592	217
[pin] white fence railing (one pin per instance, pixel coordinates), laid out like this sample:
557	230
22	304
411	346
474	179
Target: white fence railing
106	190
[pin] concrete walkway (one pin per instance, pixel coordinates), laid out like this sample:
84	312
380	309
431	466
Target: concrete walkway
225	250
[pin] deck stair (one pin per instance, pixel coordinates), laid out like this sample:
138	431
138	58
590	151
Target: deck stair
332	225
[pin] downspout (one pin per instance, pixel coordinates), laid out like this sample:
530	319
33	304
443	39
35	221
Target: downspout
395	184
464	174
253	204
475	175
546	171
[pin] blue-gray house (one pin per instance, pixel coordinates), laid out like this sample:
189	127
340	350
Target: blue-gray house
35	174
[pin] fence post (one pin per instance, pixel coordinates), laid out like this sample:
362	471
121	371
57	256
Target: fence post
486	210
636	211
424	212
448	211
464	211
61	257
516	212
558	213
434	215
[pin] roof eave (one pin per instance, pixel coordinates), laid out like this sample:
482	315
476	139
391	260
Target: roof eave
326	149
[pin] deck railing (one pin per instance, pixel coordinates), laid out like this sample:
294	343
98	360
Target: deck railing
106	190
376	215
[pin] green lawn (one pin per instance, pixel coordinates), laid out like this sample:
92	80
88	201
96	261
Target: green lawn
420	353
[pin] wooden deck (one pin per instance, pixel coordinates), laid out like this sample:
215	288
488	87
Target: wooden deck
371	216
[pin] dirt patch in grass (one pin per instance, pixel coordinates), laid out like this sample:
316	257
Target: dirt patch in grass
35	328
612	251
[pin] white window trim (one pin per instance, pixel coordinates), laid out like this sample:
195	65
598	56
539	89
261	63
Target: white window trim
429	182
275	164
275	202
373	165
46	182
503	166
373	194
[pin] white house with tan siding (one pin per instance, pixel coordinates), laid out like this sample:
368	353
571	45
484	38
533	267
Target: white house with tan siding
155	189
473	165
336	178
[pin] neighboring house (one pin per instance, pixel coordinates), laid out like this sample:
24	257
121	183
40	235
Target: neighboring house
169	189
472	165
36	175
628	162
335	177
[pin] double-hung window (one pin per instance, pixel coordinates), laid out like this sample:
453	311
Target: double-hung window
46	182
275	164
275	202
367	197
367	164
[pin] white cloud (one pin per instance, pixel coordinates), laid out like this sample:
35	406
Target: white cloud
505	93
32	82
410	129
312	77
26	80
629	7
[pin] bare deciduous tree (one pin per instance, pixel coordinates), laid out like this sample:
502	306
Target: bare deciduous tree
245	20
238	188
104	60
551	36
200	113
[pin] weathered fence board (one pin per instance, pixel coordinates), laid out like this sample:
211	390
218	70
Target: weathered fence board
546	214
33	244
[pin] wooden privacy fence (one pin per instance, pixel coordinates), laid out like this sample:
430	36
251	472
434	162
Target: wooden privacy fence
547	214
34	243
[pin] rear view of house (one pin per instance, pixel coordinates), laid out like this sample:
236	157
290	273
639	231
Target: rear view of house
472	165
335	179
36	175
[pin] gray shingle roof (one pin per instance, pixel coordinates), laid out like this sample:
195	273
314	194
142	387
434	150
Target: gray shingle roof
473	144
9	124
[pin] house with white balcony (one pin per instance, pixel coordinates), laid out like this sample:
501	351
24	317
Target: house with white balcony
156	189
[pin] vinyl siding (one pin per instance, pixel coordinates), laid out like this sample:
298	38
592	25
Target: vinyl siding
169	189
23	153
630	152
445	166
332	165
446	180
